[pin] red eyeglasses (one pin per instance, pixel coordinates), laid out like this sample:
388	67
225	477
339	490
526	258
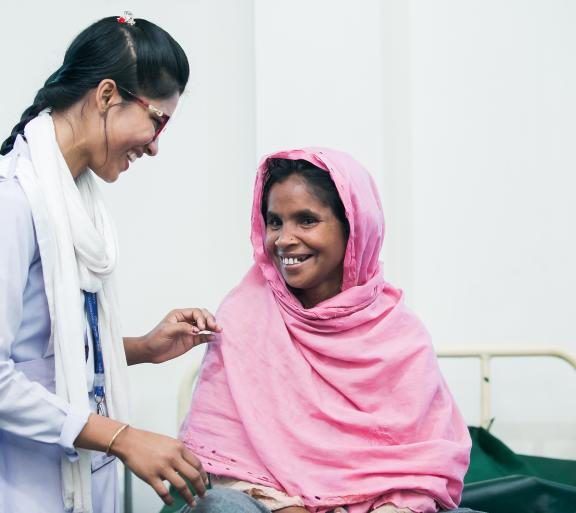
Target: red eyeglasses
159	117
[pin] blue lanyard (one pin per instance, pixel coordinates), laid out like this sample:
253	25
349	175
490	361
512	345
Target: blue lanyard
91	304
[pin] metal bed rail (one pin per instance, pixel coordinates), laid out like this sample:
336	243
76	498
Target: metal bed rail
485	354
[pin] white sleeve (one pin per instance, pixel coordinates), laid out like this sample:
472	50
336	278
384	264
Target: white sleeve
27	409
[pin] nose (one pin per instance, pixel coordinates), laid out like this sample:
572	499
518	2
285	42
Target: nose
286	238
152	148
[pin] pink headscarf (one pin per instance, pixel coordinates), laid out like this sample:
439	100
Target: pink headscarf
342	403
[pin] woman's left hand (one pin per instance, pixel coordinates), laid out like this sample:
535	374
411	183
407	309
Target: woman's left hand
176	334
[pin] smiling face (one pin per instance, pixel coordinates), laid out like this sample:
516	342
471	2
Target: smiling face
127	132
305	240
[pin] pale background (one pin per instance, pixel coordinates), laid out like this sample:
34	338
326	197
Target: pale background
463	110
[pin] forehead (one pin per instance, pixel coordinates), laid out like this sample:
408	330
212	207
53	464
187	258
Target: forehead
294	193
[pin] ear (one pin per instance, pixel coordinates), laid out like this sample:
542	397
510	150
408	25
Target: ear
107	94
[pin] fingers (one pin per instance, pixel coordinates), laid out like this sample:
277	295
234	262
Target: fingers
191	459
182	488
192	469
157	458
199	317
195	479
194	338
211	323
162	491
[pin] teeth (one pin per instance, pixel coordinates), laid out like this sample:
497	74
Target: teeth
291	261
131	156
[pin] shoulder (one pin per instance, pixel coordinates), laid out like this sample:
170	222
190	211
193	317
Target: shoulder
16	226
14	205
11	190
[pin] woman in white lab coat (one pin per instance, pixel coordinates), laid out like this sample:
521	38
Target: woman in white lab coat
63	360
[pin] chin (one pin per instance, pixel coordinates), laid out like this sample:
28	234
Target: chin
109	179
110	176
107	175
300	285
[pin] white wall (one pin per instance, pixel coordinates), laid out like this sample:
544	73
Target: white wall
492	118
462	109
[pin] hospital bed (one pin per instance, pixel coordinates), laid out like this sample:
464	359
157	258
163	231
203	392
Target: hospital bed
498	481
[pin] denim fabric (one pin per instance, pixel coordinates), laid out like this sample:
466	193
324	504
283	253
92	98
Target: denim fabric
223	500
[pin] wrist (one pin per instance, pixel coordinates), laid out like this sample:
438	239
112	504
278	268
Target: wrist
118	444
97	433
116	434
137	350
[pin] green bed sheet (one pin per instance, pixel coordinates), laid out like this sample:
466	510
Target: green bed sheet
501	481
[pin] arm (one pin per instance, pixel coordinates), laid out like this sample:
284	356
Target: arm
27	409
31	411
177	333
136	350
151	456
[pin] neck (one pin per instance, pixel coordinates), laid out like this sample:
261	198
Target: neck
311	297
71	140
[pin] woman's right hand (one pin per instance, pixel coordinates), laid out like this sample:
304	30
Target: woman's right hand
155	458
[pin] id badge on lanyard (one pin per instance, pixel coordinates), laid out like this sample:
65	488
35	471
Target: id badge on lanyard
91	304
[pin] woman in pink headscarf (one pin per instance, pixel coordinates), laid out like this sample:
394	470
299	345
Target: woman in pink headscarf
323	390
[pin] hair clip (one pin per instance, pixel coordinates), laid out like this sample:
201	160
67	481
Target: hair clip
128	18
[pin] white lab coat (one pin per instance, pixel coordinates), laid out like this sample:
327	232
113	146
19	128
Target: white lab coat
36	426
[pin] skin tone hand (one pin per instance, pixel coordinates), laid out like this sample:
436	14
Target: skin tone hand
177	333
154	458
292	509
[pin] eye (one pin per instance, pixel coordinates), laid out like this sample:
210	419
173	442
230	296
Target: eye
308	220
273	221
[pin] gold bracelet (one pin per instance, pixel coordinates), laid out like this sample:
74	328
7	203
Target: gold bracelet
118	431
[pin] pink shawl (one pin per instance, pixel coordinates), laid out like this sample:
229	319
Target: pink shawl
339	404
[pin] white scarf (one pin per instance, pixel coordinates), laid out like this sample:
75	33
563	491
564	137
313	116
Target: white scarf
78	248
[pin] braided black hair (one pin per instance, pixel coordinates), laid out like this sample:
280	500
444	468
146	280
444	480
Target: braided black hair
142	58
